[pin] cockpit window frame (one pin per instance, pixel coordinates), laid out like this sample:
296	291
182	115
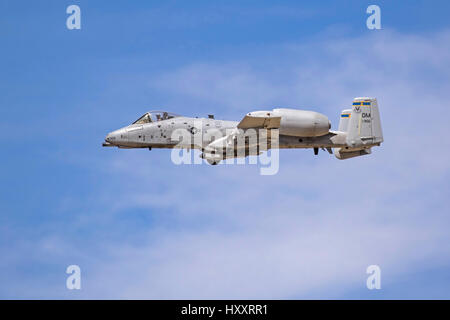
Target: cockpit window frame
141	119
156	116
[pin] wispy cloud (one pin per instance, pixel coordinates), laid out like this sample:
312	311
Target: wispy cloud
319	223
312	229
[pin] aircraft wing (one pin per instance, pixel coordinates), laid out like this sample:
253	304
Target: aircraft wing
260	119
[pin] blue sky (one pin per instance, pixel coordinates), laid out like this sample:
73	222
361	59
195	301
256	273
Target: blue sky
141	227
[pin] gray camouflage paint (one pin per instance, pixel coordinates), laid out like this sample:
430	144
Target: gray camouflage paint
359	130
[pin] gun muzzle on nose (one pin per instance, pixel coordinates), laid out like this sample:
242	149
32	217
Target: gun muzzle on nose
107	142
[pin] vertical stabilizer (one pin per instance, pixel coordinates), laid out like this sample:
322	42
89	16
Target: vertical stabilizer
364	125
344	120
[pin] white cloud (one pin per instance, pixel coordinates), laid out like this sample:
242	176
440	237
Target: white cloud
312	229
319	223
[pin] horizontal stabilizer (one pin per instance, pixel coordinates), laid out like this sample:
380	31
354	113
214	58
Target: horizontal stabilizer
343	154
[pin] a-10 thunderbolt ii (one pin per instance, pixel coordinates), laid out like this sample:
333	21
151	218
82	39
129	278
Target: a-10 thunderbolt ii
359	130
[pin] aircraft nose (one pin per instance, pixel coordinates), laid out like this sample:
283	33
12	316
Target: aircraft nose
112	137
117	136
109	137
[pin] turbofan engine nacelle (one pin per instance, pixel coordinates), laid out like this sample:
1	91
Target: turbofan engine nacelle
302	123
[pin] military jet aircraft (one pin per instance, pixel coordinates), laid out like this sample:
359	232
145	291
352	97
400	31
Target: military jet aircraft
359	130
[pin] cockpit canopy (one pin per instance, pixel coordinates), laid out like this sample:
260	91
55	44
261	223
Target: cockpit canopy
155	116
